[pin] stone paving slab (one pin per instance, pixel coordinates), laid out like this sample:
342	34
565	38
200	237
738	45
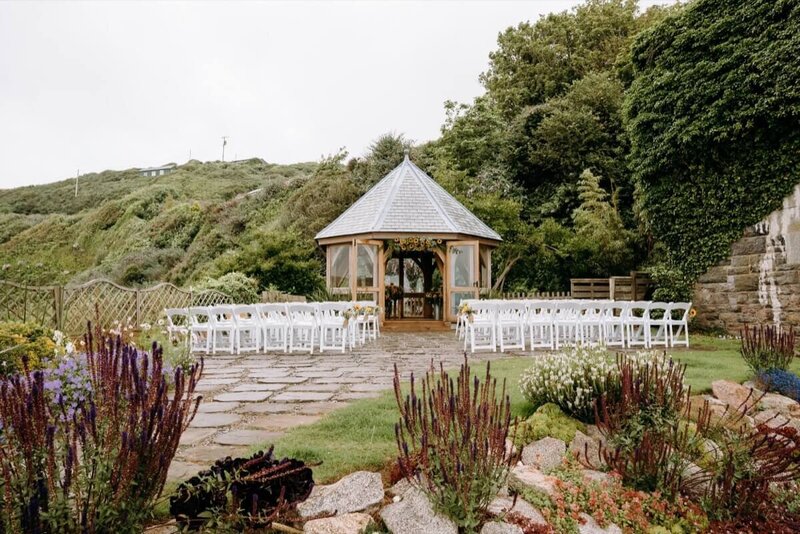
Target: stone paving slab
244	396
251	399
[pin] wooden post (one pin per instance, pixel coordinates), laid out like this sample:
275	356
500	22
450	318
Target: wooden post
402	274
58	305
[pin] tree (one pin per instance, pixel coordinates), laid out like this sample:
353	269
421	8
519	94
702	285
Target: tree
712	116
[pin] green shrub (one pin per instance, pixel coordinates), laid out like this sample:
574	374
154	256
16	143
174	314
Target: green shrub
549	420
240	287
18	340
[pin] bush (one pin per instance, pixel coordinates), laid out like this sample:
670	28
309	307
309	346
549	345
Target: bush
241	288
102	469
767	347
639	420
24	340
548	420
780	381
452	441
572	379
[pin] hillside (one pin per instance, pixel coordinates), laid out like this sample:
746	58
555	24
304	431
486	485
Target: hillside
137	229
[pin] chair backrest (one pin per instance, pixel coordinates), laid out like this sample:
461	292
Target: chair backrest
246	314
617	308
540	310
199	315
592	309
639	308
483	310
681	309
177	317
510	310
659	310
566	310
221	315
331	310
300	312
272	313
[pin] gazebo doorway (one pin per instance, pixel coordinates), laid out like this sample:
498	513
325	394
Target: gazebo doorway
413	285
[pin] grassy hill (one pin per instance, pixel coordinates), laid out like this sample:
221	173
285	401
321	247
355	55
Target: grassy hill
182	227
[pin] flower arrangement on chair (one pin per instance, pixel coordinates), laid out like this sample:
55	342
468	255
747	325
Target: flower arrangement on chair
466	309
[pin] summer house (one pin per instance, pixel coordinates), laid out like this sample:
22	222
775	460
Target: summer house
408	245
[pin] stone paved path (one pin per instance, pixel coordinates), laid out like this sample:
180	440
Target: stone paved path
252	399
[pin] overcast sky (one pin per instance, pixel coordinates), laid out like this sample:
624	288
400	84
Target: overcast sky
114	85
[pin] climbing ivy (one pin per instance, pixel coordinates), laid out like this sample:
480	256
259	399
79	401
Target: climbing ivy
714	121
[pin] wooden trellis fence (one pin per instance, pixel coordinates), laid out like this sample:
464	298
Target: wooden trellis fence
521	295
68	308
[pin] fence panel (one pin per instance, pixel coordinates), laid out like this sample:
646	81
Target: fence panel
37	304
102	302
590	288
153	300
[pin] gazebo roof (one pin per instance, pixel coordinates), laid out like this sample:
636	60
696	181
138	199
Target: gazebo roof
408	201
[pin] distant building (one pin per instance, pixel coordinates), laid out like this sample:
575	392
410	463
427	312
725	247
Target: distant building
157	171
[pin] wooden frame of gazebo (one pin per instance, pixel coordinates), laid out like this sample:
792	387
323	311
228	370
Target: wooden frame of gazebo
408	207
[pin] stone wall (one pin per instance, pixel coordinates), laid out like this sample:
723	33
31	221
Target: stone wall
760	281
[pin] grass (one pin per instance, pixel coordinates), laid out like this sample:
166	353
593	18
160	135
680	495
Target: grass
361	435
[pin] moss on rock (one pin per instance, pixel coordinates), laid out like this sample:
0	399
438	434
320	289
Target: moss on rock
548	420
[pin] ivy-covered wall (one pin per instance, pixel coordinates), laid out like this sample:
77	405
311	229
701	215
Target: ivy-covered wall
714	121
759	282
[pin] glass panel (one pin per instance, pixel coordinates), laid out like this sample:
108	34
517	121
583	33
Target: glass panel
340	266
371	296
462	265
456	297
367	268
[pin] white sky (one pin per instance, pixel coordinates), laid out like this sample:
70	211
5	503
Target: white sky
114	85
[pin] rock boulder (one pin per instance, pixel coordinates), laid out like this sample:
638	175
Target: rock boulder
354	493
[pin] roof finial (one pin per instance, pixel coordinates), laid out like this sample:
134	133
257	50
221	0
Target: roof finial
405	152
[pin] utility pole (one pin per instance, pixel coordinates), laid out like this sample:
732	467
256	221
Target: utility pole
224	142
77	174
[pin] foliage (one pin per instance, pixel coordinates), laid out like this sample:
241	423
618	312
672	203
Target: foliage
241	492
548	420
639	421
24	340
282	260
711	116
611	502
240	287
572	379
101	469
767	347
780	381
452	441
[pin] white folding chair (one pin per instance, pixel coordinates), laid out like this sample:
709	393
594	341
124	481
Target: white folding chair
275	326
637	322
334	327
681	322
200	330
177	323
303	326
248	331
615	313
372	321
659	312
567	324
222	328
540	324
593	321
481	329
510	324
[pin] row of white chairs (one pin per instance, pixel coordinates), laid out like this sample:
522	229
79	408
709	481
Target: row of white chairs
549	324
275	327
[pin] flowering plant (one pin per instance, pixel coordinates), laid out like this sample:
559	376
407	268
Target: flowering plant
418	243
465	309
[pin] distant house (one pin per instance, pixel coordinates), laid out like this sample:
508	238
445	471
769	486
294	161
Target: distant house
157	171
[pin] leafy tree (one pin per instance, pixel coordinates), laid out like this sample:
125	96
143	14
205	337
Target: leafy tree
383	155
280	259
240	287
601	245
712	115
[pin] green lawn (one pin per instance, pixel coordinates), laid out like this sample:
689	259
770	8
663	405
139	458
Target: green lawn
361	435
